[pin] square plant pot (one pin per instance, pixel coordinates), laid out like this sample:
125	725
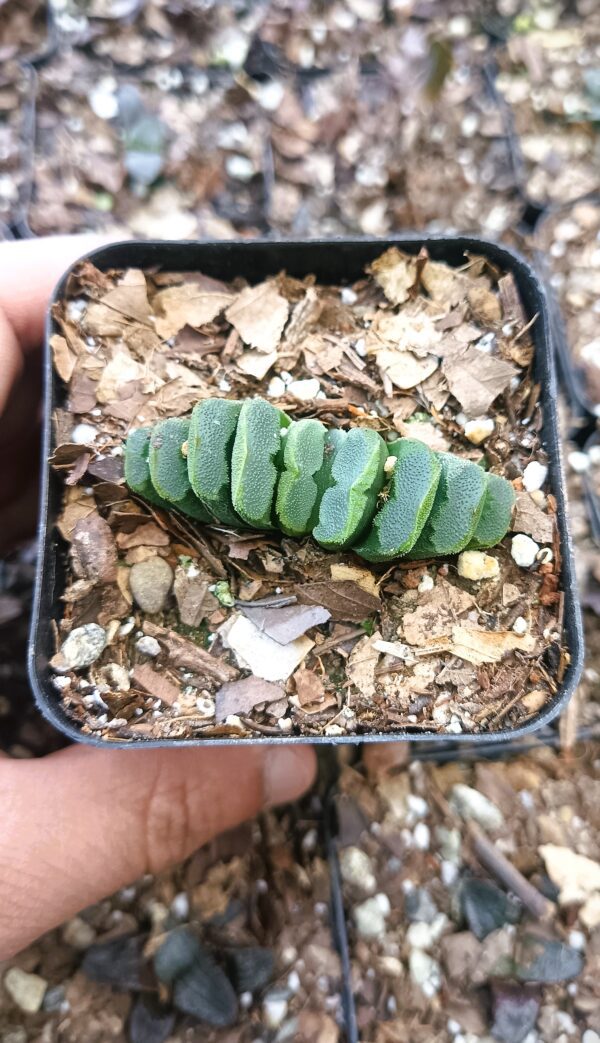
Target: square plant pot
338	262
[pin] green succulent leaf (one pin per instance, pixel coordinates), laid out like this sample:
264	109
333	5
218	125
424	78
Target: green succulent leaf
299	491
456	509
407	503
168	468
211	436
137	468
496	515
255	459
348	505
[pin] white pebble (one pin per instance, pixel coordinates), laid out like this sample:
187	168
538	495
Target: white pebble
348	295
478	430
534	476
417	805
240	167
148	646
523	550
421	836
275	1007
426	584
520	626
84	434
224	384
126	627
475	565
293	981
578	462
285	724
305	390
589	1036
390	464
180	906
577	940
276	387
448	873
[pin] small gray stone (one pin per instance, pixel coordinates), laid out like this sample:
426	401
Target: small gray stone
27	990
515	1012
148	646
420	906
471	804
150	583
54	999
83	646
370	917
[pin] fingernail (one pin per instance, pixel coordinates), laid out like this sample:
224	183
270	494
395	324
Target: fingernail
287	773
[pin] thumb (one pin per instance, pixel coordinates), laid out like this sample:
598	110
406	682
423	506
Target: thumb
82	823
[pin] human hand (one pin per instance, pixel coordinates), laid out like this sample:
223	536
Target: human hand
82	823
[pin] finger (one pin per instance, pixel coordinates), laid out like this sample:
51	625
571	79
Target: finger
30	270
11	359
82	823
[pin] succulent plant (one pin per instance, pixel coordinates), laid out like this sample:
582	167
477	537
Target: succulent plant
246	464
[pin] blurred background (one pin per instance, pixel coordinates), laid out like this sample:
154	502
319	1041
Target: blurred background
182	119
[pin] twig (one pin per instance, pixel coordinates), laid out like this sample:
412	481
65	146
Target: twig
332	642
497	863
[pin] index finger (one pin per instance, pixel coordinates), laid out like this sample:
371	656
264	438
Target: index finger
30	270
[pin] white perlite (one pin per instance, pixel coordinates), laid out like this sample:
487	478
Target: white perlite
523	550
27	990
426	584
475	565
534	476
478	430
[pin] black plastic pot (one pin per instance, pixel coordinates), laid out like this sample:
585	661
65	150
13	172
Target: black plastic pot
572	375
331	261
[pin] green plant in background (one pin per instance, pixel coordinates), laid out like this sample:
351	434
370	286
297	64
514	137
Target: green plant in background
249	465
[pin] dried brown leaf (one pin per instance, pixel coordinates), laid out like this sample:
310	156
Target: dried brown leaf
259	314
532	520
63	358
362	664
488	646
240	697
187	305
93	550
309	687
396	273
435	616
363	577
344	599
476	379
194	600
404	369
